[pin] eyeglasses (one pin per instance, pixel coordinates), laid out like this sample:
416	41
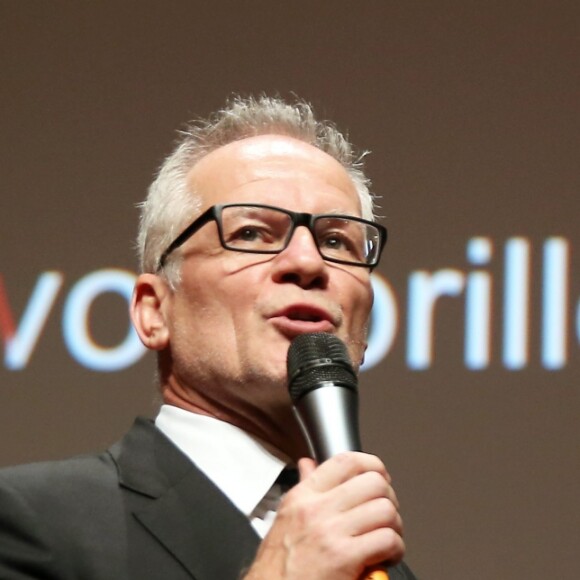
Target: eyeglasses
264	229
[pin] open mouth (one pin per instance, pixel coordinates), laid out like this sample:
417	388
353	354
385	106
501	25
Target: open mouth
299	319
306	316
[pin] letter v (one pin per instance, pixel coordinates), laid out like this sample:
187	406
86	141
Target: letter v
19	343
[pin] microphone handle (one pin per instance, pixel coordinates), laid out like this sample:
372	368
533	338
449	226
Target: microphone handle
333	405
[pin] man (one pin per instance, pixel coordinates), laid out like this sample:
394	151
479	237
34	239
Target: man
234	267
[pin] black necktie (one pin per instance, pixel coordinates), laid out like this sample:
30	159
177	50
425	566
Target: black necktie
288	478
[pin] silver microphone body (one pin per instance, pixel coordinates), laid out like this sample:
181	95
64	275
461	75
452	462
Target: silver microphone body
323	388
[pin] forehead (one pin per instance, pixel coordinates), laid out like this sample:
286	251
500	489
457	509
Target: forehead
274	169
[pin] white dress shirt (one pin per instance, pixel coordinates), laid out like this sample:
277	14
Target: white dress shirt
243	467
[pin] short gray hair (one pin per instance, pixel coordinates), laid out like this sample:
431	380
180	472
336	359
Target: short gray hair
170	205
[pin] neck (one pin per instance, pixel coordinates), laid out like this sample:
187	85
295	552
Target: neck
278	427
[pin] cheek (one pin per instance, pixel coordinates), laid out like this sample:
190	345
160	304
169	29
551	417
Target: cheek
361	298
216	309
357	315
196	312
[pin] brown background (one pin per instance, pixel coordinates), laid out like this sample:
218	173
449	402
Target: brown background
471	112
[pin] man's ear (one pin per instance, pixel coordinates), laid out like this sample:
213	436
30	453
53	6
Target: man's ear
147	310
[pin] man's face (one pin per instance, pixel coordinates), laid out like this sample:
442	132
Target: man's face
233	316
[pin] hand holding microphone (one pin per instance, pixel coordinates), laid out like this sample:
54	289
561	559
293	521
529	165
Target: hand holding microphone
323	389
341	521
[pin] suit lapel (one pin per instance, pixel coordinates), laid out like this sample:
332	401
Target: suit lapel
182	508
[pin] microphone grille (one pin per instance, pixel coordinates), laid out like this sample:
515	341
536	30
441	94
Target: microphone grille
318	358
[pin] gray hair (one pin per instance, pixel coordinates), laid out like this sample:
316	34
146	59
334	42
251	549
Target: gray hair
170	205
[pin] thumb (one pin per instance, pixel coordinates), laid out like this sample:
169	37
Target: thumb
306	466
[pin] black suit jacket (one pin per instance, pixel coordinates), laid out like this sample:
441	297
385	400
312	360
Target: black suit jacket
140	511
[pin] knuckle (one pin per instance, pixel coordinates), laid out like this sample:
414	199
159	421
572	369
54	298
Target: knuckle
356	461
386	514
374	484
378	482
347	459
387	508
338	551
306	512
313	514
391	540
395	547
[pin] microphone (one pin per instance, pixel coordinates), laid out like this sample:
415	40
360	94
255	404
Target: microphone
324	391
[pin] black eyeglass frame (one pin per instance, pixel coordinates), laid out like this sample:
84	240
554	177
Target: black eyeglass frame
298	219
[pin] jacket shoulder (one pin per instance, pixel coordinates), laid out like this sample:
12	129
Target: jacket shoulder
45	508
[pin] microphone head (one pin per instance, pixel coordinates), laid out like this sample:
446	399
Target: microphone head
315	359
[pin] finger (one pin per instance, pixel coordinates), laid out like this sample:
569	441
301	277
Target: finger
343	467
362	488
373	515
380	545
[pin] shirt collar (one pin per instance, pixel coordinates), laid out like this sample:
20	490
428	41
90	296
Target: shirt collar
243	467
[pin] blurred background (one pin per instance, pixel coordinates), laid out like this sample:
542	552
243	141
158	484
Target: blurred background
471	390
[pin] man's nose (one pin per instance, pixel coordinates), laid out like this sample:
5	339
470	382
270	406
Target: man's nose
300	262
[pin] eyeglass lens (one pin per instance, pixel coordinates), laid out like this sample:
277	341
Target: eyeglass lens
264	230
